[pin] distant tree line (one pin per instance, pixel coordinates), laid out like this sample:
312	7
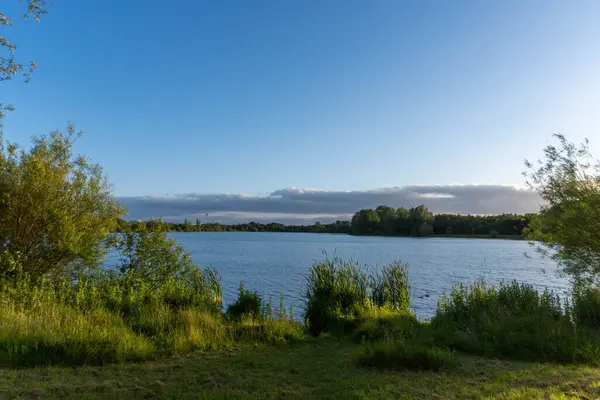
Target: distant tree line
197	226
384	220
419	221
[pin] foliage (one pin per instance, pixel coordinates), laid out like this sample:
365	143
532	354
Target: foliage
9	66
419	221
404	354
248	304
338	292
365	221
55	208
568	225
586	306
154	259
513	320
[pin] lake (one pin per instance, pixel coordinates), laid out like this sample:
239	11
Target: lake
275	263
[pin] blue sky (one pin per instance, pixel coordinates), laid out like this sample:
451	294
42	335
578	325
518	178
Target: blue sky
255	96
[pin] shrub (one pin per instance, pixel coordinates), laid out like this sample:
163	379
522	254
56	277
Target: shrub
248	304
586	306
411	355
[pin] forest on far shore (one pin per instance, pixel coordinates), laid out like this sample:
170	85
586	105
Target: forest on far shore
384	220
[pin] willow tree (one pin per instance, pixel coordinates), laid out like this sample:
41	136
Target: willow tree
567	227
56	208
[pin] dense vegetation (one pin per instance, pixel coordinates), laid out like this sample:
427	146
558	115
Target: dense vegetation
418	221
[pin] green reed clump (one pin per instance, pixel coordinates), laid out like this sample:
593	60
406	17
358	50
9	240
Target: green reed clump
407	354
390	287
259	321
337	292
248	304
511	320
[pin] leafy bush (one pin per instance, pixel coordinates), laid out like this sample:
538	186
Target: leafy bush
337	292
56	208
586	306
411	355
248	304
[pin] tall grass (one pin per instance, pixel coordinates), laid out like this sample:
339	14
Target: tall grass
51	333
108	317
511	320
338	292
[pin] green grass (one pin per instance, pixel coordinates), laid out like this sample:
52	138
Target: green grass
407	354
323	368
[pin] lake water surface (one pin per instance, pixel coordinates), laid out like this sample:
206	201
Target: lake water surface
275	263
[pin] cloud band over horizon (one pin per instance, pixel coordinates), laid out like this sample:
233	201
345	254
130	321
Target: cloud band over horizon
294	205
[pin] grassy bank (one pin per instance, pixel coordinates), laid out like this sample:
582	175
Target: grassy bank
322	368
132	335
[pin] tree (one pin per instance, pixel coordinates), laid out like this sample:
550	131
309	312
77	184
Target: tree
387	219
319	227
9	66
198	225
148	255
421	221
55	208
365	222
568	225
402	221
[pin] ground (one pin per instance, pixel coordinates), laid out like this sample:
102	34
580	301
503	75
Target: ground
317	369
